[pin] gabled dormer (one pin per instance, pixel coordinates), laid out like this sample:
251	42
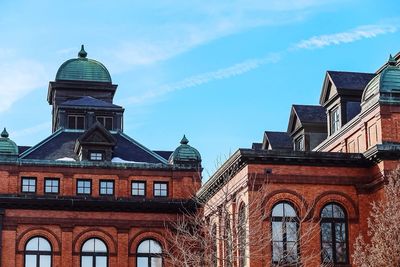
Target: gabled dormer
307	126
95	144
277	141
341	97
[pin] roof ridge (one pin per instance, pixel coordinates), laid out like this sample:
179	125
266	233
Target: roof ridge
41	143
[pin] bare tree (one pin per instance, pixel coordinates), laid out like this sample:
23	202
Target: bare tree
383	247
224	234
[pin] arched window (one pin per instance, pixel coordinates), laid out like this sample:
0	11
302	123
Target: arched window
228	242
149	254
242	235
334	234
38	253
94	253
285	249
214	246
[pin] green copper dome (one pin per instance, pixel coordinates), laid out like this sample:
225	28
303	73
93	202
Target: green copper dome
83	69
185	154
7	146
384	87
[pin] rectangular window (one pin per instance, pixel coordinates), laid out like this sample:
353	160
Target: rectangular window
76	122
28	185
83	187
106	121
160	189
107	187
138	188
51	185
299	144
334	120
96	156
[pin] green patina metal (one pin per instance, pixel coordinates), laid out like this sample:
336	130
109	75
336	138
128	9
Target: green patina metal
83	69
7	146
384	87
185	154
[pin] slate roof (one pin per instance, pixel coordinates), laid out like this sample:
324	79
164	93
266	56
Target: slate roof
279	140
164	154
89	101
310	113
22	149
61	145
256	146
350	80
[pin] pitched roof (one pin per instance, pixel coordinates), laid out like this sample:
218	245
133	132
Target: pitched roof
164	154
310	113
89	101
256	146
278	140
61	145
350	80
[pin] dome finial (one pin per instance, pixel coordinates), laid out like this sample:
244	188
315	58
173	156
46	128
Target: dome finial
392	61
82	53
4	133
184	140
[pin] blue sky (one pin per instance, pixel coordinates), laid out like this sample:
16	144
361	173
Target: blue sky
220	72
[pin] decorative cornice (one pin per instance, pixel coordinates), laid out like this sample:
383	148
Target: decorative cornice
243	157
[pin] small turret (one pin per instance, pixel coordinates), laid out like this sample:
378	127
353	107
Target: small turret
185	155
8	148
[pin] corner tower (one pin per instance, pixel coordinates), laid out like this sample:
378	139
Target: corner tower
83	94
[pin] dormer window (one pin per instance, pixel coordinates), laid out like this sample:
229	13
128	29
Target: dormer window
107	122
76	122
299	144
95	156
334	120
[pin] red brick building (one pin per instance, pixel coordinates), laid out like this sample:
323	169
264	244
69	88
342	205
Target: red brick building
324	171
90	195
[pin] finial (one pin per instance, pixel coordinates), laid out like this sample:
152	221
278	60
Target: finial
82	53
4	133
184	140
392	61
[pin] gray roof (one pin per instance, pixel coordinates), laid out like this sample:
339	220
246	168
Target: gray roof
350	80
256	146
279	140
61	145
89	101
310	113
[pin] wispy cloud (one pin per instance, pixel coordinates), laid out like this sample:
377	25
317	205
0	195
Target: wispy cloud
197	80
31	130
17	79
202	24
362	32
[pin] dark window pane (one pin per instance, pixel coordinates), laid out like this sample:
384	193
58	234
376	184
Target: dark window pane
277	251
340	232
326	232
108	124
327	252
341	255
291	231
80	123
71	122
327	211
337	212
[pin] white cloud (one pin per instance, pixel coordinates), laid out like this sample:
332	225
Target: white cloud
362	32
17	79
31	130
196	80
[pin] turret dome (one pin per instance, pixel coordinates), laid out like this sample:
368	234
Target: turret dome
83	69
384	87
7	146
185	154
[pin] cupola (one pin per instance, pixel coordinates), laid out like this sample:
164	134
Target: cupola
7	146
185	155
384	87
83	69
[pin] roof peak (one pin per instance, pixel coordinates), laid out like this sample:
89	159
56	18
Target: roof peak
184	140
4	133
82	53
